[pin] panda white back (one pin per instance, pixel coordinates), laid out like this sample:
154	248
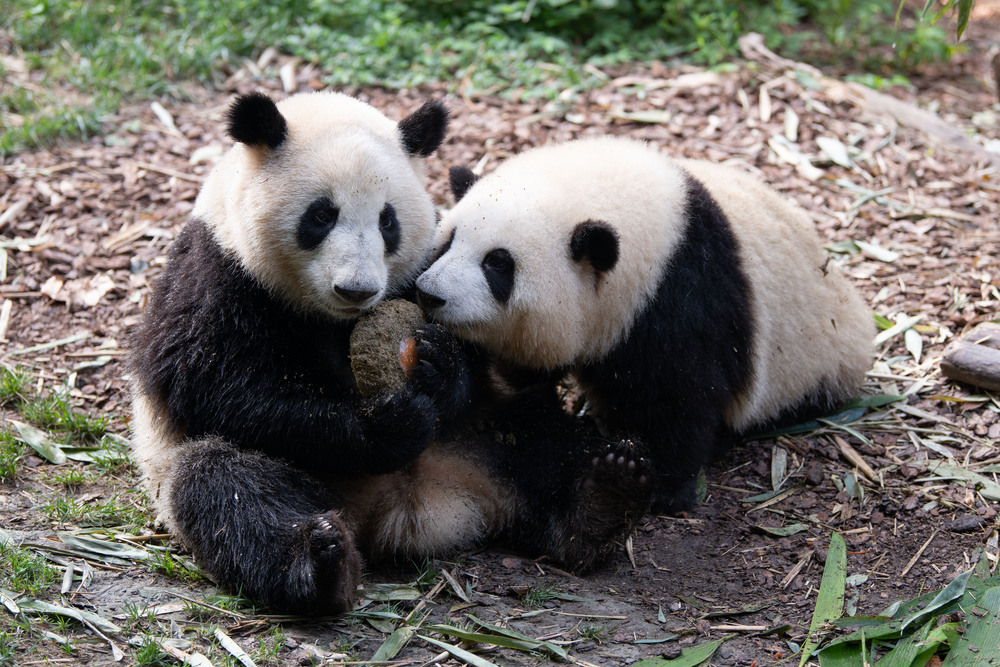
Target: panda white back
812	327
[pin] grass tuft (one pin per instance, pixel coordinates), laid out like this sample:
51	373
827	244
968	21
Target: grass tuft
25	572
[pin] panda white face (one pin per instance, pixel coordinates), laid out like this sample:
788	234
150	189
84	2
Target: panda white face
329	210
547	261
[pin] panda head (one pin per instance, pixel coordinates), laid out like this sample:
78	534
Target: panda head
547	261
322	198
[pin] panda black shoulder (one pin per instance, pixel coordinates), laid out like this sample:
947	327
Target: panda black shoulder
206	307
698	320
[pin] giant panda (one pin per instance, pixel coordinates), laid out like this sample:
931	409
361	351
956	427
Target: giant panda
690	303
257	448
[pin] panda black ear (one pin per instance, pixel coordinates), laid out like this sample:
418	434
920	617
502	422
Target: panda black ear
253	119
461	180
597	242
423	130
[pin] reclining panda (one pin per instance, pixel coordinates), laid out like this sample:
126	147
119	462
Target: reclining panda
258	450
691	304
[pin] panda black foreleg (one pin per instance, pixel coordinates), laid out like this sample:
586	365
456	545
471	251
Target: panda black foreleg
680	454
455	374
262	527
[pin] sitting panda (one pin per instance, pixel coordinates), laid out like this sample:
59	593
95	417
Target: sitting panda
257	448
691	304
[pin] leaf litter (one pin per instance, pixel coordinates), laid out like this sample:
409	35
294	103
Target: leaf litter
908	214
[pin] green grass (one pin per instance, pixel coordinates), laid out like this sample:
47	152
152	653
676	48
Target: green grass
150	655
168	565
24	572
13	385
85	57
54	412
114	512
11	453
8	648
539	595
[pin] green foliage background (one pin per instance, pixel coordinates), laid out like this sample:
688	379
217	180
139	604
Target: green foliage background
107	51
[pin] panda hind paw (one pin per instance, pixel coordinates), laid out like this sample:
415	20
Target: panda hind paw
330	571
617	488
613	495
620	474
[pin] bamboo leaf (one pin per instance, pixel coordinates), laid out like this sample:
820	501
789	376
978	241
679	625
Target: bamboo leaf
878	252
389	593
783	531
980	644
461	654
950	593
234	648
40	442
779	466
97	621
690	657
830	600
989	489
514	634
394	643
101	548
911	339
906	651
835	150
964	10
518	644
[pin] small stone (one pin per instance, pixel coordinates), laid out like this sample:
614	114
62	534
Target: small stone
967	523
814	473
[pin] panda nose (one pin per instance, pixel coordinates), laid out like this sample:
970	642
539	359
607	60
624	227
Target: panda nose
429	302
354	295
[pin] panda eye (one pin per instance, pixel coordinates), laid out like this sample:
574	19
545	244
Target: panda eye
316	222
498	269
498	260
388	224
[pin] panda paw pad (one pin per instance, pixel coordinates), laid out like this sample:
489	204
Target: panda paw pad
621	468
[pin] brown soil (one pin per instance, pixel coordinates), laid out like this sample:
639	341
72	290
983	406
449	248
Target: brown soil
93	221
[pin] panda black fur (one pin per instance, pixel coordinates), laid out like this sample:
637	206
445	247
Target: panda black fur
690	302
254	443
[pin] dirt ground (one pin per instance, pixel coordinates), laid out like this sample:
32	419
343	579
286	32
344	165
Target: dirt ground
86	228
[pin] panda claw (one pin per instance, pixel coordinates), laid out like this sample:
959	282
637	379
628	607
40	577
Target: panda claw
621	473
329	569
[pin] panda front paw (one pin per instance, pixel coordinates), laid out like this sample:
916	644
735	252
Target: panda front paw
398	427
442	371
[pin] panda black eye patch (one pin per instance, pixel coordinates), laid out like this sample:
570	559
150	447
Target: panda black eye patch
388	224
498	269
316	223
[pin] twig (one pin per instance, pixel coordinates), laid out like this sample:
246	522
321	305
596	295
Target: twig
794	572
916	556
855	459
169	172
52	344
234	614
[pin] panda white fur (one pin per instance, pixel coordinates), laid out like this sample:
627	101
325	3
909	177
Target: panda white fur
690	302
255	445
